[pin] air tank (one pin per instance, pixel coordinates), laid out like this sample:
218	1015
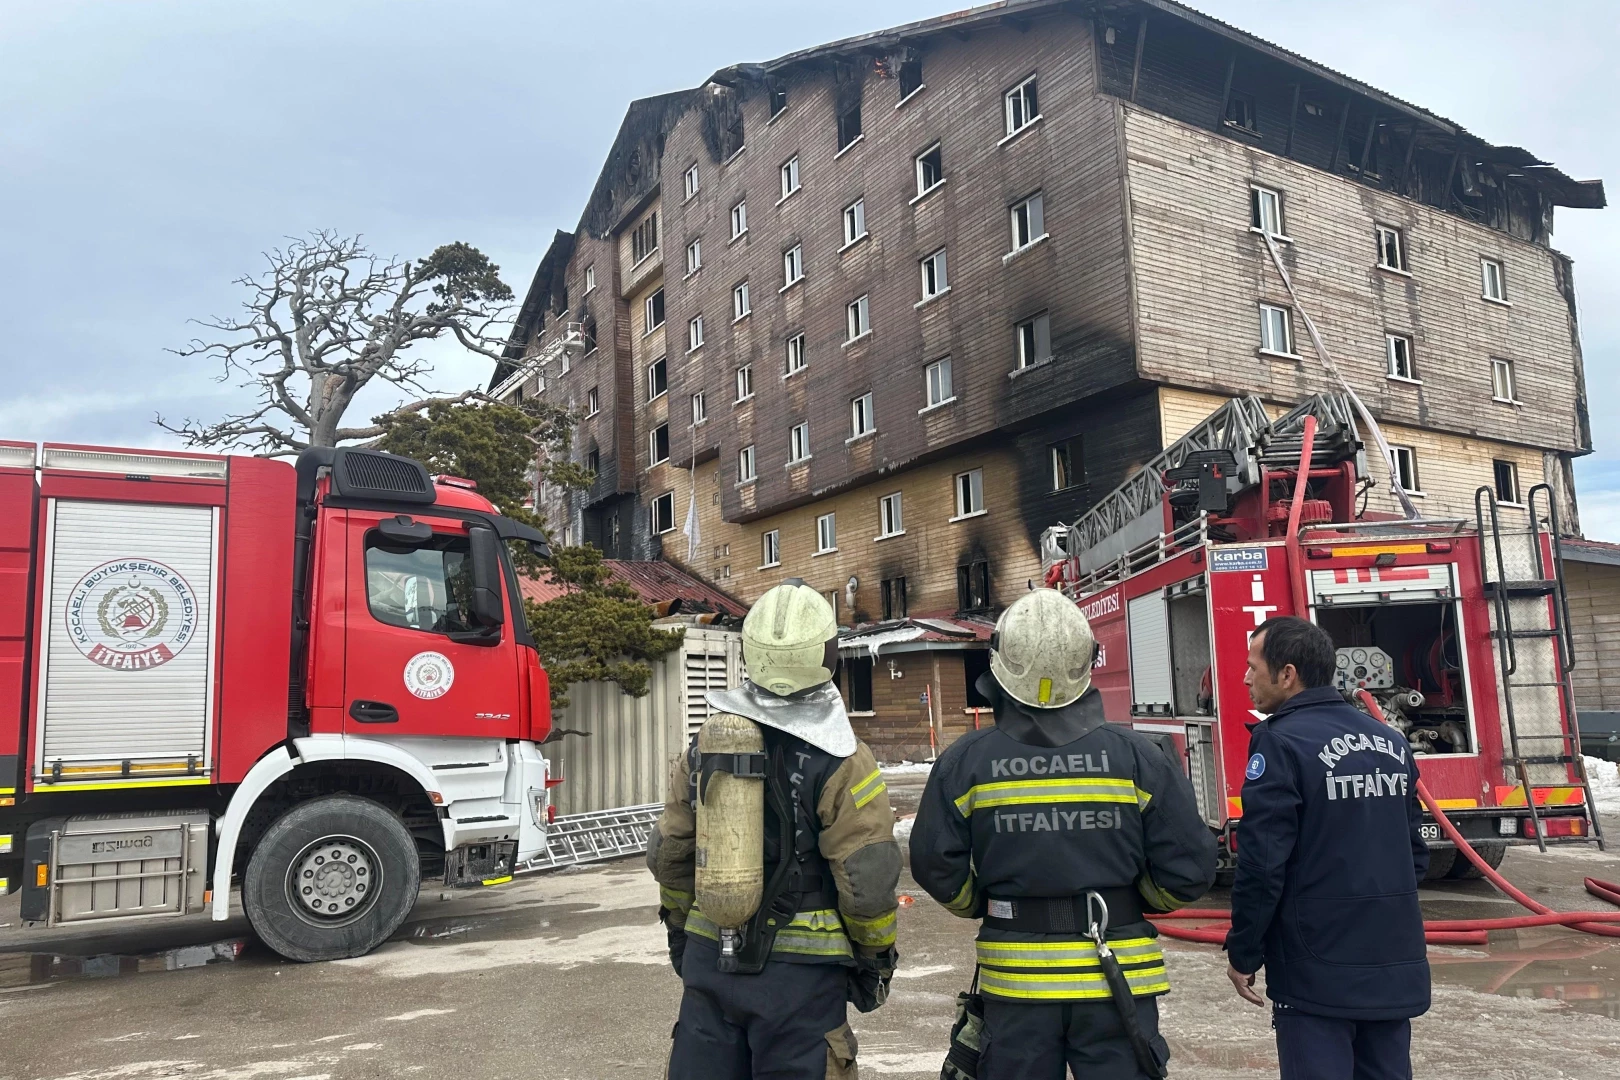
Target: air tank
730	826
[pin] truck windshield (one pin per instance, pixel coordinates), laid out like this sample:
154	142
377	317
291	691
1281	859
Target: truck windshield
427	588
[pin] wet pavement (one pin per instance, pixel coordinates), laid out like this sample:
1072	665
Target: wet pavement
564	976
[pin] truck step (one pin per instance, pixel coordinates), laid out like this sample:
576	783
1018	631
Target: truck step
1520	634
1544	759
1531	587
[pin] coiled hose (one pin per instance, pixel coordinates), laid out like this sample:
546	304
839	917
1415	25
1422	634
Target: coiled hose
1437	931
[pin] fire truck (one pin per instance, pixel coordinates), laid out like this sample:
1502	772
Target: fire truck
1457	627
313	679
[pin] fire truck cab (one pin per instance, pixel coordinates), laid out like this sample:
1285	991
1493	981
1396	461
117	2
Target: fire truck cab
315	680
1456	627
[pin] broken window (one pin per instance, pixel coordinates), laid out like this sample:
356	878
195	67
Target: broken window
593	460
1068	463
930	170
1022	108
1507	481
911	76
643	241
973	586
778	98
860	683
1240	112
700	409
663	513
1398	352
849	126
1391	249
658	445
745	382
894	598
590	277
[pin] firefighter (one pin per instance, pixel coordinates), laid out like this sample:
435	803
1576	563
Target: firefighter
1038	825
1330	811
781	1009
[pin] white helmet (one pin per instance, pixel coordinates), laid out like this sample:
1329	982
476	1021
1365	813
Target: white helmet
1042	650
790	639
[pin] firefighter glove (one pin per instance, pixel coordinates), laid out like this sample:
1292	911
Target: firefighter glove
869	981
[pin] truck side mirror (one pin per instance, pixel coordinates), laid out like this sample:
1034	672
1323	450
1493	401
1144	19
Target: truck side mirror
486	576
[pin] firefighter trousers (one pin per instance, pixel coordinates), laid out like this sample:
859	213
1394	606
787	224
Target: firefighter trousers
789	1022
1328	1048
1037	1042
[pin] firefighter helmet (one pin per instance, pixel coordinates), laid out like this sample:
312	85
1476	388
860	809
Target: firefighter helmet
1042	649
790	639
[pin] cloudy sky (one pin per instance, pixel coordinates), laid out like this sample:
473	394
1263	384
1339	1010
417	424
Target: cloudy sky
150	150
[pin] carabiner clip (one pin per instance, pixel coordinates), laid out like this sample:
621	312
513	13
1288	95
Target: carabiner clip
1097	927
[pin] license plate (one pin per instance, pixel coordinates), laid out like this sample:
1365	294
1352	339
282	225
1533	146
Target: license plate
1430	832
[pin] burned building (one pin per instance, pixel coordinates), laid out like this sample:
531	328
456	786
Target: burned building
877	313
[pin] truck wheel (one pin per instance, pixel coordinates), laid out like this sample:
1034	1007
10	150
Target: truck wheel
332	878
1440	863
1465	870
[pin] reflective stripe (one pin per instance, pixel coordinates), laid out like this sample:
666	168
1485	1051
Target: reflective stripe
811	933
1156	896
868	789
1070	986
1066	954
963	902
674	899
1045	792
878	933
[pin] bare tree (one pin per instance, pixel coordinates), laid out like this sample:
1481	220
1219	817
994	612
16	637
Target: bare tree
327	318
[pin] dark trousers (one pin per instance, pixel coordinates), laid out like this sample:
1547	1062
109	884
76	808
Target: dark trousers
1327	1048
1037	1042
786	1023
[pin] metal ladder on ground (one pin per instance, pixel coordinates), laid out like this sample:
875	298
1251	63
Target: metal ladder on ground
573	839
1530	616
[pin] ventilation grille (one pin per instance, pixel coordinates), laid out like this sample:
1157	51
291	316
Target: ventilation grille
367	474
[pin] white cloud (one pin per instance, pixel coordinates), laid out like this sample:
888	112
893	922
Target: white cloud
1600	515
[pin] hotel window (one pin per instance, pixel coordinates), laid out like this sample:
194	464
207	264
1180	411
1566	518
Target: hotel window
1034	340
973	586
1492	280
778	94
854	221
799	442
590	277
1276	330
644	240
700	408
770	549
891	522
745	382
593	402
937	376
911	77
745	464
658	445
692	180
739	219
657	379
1068	463
1022	107
970	493
930	169
1028	222
857	321
795	354
860	416
1504	387
792	265
826	533
694	333
1403	463
694	256
790	176
934	278
1507	481
655	312
1391	248
894	598
663	513
1398	353
849	127
1265	210
739	301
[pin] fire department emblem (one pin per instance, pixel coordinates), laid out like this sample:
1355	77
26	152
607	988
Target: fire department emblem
131	614
428	675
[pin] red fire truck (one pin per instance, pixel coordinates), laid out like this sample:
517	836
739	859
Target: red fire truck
315	680
1457	627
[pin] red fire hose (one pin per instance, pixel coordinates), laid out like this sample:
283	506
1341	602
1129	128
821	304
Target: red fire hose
1441	931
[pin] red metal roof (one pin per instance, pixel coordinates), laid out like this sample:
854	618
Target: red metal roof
655	582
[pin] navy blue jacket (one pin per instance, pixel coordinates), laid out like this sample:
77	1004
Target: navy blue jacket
1329	856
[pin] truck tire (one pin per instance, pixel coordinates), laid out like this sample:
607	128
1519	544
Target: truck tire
1464	870
331	878
1441	860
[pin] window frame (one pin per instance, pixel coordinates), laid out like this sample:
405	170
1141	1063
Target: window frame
1505	365
745	378
700	408
921	164
799	442
1287	328
659	366
770	548
593	402
692	180
644	239
441	543
858	318
793	350
1033	206
1486	264
1257	211
653	514
854	218
1027	356
891	516
590	279
1410	452
652	445
747	456
944	383
694	256
739	218
969	488
826	530
1024	100
1513	477
792	266
654	304
790	177
1392	341
935	271
694	333
741	303
846	137
1065	452
862	422
1399	235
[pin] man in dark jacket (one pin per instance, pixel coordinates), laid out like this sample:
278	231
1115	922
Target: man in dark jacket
1022	824
1329	856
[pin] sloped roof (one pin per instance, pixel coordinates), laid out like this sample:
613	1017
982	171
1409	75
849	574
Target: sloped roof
917	632
1590	551
655	582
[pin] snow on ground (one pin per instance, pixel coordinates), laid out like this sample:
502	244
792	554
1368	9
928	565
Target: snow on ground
1604	776
902	828
908	767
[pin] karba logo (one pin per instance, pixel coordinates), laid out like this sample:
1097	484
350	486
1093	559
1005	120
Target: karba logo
131	614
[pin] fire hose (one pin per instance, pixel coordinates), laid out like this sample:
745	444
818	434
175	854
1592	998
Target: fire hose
1440	931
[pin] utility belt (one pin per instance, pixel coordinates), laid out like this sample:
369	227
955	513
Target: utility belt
1061	914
